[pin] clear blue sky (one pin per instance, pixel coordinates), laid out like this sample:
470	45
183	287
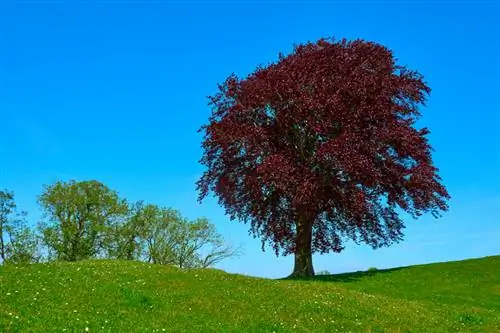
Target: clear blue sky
116	90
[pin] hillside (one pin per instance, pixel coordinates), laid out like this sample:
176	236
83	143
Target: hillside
120	296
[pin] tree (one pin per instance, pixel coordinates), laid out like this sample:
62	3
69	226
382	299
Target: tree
170	239
80	214
151	223
321	147
7	209
23	244
123	241
18	243
197	244
210	245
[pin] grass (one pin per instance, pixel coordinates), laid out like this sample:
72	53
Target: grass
121	296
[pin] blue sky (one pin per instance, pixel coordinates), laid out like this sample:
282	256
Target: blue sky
115	91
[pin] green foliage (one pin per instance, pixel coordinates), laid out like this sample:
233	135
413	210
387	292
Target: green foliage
18	243
23	246
163	236
7	209
123	239
372	269
86	219
169	238
128	296
323	272
80	214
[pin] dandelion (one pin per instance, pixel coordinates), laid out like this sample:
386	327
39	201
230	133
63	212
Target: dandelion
86	329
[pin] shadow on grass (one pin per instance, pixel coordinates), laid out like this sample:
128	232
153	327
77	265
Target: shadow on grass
346	277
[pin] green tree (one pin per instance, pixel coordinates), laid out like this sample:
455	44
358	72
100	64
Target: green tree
7	210
23	245
162	228
80	214
171	239
207	245
18	243
124	239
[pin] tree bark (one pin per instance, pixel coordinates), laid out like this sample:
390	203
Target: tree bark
303	253
2	245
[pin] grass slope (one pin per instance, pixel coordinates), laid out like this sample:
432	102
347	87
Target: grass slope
120	296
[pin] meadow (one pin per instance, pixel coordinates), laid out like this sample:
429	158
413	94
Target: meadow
128	296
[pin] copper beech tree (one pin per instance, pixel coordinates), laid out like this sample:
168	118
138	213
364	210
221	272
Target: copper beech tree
320	147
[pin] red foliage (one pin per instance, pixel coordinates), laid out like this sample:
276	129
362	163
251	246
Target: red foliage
326	133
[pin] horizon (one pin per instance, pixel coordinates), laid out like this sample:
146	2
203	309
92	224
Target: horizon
117	91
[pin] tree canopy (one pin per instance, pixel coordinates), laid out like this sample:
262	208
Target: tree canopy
7	209
18	243
79	214
321	147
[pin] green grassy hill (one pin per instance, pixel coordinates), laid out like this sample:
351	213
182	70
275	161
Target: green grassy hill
120	296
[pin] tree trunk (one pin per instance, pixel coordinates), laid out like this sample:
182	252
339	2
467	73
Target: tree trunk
130	248
2	246
303	255
74	249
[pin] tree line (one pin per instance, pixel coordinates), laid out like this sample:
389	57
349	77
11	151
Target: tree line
88	220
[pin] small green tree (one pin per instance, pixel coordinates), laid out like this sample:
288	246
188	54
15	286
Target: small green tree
208	245
124	239
23	245
7	211
80	214
18	243
169	238
162	233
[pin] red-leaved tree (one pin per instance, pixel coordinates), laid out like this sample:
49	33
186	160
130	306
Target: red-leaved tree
321	147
